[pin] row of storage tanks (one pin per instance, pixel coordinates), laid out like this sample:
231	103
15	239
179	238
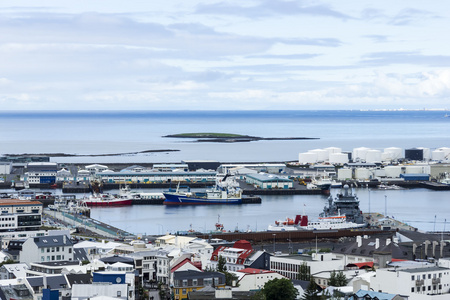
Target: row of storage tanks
386	172
334	155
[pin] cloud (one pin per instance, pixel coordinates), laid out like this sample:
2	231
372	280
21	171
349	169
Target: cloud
409	16
377	38
270	8
413	58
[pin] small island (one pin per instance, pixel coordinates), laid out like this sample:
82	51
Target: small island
230	137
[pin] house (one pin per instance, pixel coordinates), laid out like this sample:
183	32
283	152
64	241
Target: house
189	280
235	256
15	291
117	285
47	249
53	282
51	267
372	295
209	293
254	279
11	271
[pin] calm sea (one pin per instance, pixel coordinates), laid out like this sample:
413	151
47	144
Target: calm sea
125	132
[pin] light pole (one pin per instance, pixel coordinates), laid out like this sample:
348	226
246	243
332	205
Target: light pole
385	206
274	242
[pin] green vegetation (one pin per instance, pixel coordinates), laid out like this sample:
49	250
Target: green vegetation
208	135
337	279
281	289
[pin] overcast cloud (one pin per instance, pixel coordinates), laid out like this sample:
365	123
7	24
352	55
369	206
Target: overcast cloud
230	55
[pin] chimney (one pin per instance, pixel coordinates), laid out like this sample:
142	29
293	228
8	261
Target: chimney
359	241
442	248
426	243
388	242
377	243
64	239
435	243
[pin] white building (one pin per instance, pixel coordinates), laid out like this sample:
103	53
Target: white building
289	265
41	173
96	168
423	281
254	279
20	214
47	249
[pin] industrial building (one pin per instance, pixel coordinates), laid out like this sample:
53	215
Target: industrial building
268	181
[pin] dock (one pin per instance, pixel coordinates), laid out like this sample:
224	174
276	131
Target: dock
435	186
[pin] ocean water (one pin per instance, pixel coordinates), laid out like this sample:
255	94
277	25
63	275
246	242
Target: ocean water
126	132
87	133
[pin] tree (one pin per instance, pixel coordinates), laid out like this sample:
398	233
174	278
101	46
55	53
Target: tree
337	279
279	289
304	272
221	264
311	291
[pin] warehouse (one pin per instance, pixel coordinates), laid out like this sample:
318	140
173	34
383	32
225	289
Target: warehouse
268	181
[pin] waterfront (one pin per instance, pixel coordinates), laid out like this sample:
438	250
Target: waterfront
416	207
125	132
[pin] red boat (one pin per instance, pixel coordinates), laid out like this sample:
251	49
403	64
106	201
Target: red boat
107	200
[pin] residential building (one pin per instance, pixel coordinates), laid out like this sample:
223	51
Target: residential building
11	271
187	281
372	295
20	215
15	291
47	249
254	279
410	281
235	256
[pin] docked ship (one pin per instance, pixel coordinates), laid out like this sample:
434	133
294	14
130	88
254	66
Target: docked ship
226	191
345	203
301	222
342	212
107	200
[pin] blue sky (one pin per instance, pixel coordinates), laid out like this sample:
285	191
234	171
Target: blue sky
216	55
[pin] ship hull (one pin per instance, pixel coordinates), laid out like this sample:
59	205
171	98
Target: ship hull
109	203
176	199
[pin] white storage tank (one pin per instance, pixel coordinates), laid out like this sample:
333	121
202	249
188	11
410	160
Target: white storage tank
373	156
394	152
333	150
322	155
338	158
363	173
426	153
307	158
446	152
438	155
359	154
413	170
386	156
393	171
345	174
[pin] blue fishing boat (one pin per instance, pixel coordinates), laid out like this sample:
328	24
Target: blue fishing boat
226	191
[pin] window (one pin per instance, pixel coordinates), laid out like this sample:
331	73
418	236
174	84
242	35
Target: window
183	291
412	290
119	294
429	276
412	277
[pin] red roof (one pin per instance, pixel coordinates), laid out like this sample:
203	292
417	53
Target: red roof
243	244
242	256
254	271
182	263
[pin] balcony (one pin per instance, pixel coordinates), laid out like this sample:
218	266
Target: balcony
419	282
436	280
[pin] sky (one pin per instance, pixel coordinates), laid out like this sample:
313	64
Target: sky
224	55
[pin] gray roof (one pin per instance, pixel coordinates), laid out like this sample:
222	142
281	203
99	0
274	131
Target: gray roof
79	254
79	278
52	241
60	263
268	178
191	274
54	282
8	292
422	270
117	258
